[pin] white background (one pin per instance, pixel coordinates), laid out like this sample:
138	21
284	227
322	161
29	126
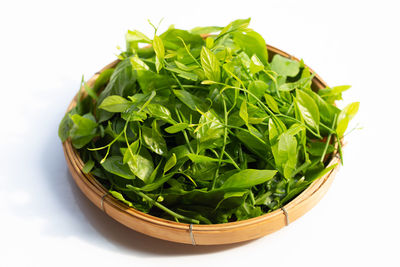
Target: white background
45	48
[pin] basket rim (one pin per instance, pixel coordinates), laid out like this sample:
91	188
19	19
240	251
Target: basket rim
92	184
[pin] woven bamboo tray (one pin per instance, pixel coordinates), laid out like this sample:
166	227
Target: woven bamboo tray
214	234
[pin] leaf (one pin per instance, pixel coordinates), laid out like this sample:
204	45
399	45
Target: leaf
102	79
66	125
115	103
141	165
210	64
160	112
243	112
345	116
138	64
160	52
334	93
132	150
258	88
271	103
286	157
327	111
137	37
236	25
176	128
254	144
120	197
184	74
88	166
284	66
84	129
255	65
295	129
204	159
205	30
210	128
192	101
172	39
115	165
122	82
170	163
154	140
252	43
248	178
308	109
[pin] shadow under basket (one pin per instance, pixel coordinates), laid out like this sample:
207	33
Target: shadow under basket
214	234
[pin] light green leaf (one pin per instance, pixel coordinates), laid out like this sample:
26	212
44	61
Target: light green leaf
345	116
252	43
237	25
158	47
257	88
176	128
170	163
203	159
159	111
271	103
142	165
284	66
308	109
115	103
210	64
286	158
248	178
120	197
243	112
137	37
205	30
154	140
255	65
138	64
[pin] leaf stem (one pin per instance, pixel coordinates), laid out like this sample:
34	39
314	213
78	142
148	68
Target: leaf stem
162	207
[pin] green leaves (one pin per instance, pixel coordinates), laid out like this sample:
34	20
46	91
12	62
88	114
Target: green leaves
115	103
205	130
345	116
160	52
284	66
192	101
210	65
154	140
177	128
84	129
308	109
116	166
252	43
171	162
141	165
248	178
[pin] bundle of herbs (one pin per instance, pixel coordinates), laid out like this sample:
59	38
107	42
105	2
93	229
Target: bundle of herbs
201	127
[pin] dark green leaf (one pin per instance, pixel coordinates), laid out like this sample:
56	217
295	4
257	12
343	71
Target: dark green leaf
115	165
83	130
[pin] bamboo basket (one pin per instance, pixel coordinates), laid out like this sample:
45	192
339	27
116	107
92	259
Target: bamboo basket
215	234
